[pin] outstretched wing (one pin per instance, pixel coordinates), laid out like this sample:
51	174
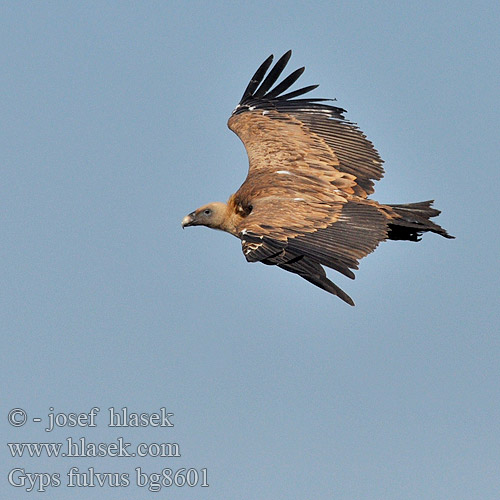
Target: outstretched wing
304	136
336	235
304	199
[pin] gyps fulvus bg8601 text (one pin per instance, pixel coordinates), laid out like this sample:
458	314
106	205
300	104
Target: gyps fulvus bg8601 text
304	203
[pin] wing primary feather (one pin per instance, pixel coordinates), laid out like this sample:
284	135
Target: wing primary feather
301	91
327	285
310	105
315	274
285	84
257	78
273	75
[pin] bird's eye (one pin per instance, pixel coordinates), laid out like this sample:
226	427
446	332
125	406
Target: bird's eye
207	211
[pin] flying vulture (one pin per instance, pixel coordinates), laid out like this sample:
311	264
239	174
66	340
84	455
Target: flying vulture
304	203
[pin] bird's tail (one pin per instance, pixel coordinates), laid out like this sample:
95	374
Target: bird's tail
410	220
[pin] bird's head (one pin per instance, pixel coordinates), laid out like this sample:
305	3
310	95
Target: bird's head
212	215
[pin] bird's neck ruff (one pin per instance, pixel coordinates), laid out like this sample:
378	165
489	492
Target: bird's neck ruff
234	214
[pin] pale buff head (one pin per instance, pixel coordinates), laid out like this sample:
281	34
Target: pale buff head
213	215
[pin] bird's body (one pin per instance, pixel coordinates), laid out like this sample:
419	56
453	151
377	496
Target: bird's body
304	203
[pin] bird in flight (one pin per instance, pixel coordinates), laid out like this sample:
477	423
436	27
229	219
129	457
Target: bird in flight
304	203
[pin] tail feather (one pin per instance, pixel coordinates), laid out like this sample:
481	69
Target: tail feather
410	220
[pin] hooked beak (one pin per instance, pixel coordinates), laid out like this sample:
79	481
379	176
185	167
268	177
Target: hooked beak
188	220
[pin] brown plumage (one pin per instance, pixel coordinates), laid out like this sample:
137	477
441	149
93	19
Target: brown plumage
304	202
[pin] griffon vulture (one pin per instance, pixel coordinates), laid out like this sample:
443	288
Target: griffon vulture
304	203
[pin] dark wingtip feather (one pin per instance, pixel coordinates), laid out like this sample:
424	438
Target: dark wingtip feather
257	78
296	93
348	300
259	90
285	84
273	75
332	288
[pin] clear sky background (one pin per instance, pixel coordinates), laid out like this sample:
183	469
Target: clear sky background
113	127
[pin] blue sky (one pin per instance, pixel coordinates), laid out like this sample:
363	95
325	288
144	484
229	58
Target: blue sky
114	127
